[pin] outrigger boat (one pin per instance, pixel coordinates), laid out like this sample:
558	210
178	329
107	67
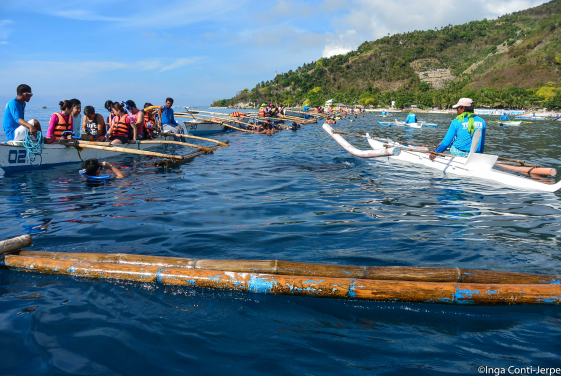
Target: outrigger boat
404	124
14	156
200	127
476	165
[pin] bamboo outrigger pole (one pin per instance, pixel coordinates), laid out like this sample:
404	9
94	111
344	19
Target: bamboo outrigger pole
195	137
150	270
404	284
129	151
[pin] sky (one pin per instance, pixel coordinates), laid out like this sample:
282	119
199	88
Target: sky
195	51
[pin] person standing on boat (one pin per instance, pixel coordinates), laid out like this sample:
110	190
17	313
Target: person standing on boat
411	118
461	131
15	127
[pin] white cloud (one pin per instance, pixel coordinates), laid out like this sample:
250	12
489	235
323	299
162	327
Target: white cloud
5	29
180	63
341	43
3	42
83	15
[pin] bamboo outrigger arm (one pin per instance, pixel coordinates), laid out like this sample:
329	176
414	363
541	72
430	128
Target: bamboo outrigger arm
403	284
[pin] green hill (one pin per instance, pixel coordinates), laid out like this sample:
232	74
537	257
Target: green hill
513	61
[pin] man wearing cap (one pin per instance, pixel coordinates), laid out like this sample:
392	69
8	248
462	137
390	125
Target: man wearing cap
461	131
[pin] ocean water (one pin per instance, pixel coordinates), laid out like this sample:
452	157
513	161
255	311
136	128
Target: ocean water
293	196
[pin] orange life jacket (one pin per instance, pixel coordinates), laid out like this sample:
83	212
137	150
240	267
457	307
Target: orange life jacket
262	112
63	125
121	128
237	114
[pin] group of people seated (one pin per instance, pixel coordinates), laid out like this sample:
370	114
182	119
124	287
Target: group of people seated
125	124
271	110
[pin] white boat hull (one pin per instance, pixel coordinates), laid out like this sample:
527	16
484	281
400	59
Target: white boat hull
197	127
410	125
457	166
14	158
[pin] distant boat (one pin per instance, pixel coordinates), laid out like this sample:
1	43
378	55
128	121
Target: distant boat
529	118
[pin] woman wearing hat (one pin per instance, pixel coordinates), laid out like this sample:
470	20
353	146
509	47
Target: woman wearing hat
461	131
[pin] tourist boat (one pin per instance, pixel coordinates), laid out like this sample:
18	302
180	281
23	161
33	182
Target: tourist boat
201	127
429	125
510	123
13	155
298	114
475	165
404	124
529	118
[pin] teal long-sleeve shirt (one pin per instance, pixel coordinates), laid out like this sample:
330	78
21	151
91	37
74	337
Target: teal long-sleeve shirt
460	138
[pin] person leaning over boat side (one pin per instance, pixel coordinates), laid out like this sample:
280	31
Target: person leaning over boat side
76	115
93	125
121	129
92	167
14	125
61	124
138	117
461	131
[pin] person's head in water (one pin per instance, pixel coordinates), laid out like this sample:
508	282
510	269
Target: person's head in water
92	167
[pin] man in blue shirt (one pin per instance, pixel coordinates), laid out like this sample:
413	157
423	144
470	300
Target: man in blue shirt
504	117
411	118
461	131
14	124
168	120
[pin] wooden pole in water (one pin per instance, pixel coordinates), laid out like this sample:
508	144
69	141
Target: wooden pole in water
13	244
343	288
396	273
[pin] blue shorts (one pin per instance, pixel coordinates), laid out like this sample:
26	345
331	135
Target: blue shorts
458	152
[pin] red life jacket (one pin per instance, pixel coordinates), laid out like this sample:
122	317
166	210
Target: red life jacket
63	125
121	128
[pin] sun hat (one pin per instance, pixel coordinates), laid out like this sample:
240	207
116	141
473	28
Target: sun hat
464	102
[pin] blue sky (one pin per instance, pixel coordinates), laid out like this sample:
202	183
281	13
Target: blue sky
195	51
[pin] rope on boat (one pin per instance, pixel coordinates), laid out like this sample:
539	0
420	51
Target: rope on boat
34	148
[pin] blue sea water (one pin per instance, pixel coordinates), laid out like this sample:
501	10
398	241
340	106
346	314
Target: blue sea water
293	196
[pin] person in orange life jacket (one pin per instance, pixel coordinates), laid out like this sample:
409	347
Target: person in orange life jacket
138	117
120	130
15	127
93	125
149	118
76	115
92	167
61	123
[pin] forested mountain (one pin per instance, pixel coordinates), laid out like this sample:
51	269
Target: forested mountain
513	61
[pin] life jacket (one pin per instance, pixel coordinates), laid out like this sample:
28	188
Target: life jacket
121	128
237	114
63	125
262	112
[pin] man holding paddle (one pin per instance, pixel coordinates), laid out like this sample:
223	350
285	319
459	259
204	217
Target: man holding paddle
460	133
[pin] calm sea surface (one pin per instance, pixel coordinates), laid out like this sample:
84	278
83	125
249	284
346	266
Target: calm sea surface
293	196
